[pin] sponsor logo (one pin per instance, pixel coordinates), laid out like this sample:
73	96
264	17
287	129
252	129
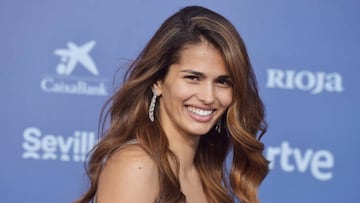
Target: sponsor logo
319	163
72	57
40	146
313	82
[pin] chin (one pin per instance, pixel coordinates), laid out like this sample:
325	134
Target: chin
200	132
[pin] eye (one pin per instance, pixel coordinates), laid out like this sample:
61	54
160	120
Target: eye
224	82
192	77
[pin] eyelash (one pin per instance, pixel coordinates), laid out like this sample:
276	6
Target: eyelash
224	82
192	77
221	81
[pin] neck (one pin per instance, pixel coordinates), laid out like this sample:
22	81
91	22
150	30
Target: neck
184	147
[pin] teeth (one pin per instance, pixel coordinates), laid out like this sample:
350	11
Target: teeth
200	112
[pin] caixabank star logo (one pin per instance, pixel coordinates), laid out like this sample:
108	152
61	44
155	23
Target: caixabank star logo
64	82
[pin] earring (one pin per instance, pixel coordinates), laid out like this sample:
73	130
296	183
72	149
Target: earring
218	126
152	107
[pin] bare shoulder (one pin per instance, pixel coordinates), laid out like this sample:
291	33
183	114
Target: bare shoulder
131	156
126	172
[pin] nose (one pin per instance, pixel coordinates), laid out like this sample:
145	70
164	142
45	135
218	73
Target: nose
206	93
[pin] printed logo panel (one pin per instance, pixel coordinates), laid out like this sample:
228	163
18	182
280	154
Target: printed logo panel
319	163
40	146
75	56
313	82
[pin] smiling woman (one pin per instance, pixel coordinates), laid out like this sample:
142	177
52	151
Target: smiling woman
193	94
189	99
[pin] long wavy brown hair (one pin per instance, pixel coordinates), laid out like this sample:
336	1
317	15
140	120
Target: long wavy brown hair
242	124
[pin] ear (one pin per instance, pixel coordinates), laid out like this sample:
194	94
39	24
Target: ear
157	87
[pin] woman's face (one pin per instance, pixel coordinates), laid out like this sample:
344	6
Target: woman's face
195	92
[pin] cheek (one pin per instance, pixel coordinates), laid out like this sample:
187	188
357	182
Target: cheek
225	98
177	92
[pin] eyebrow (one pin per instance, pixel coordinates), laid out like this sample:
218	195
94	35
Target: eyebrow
193	72
202	74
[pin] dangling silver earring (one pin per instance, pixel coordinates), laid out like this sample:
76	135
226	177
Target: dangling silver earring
152	107
218	126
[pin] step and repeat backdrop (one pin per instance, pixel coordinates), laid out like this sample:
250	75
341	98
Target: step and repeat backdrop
57	67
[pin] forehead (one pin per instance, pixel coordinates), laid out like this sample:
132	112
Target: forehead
203	57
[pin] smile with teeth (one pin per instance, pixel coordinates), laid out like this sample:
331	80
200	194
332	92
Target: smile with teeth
199	112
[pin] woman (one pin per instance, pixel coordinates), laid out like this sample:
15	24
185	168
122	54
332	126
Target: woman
189	99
